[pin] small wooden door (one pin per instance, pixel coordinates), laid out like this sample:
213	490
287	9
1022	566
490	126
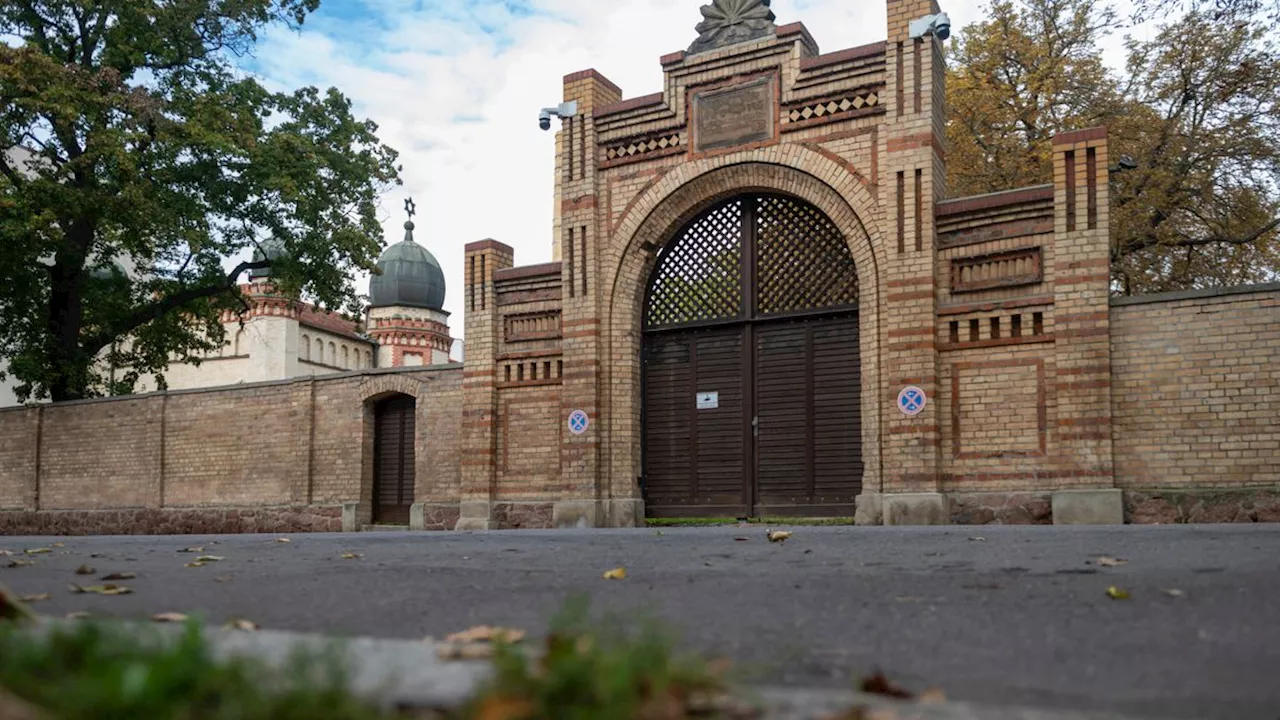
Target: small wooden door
393	466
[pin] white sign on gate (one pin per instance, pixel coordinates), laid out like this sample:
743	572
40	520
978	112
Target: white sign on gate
708	400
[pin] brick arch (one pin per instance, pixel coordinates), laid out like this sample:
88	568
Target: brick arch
653	219
377	387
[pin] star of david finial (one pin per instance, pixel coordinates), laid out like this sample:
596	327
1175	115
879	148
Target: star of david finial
410	207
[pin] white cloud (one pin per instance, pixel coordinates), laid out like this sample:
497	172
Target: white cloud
455	86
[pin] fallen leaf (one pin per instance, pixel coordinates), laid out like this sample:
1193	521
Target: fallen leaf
37	551
616	574
977	539
241	625
283	540
194	563
473	651
210	558
660	533
85	570
486	633
878	684
59	545
107	589
932	696
77	615
1111	562
1173	592
169	617
222	579
198	549
1116	593
21	563
741	539
120	576
34	598
777	536
352	556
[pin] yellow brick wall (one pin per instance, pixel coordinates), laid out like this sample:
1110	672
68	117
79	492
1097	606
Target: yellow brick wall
1196	391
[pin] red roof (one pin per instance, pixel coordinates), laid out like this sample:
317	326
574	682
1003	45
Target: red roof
330	323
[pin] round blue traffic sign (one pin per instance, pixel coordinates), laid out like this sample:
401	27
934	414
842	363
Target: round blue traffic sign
578	422
912	401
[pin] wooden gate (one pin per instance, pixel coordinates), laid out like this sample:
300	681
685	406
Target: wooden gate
752	385
393	466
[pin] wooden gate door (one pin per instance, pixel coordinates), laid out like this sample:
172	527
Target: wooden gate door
393	465
752	392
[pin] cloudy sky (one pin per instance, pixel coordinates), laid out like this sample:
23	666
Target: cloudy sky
456	85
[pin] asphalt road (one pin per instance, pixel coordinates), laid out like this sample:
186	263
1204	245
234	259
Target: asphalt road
991	614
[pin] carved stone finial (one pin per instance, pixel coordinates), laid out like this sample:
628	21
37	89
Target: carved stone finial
728	22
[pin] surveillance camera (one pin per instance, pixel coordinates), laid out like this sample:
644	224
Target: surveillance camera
563	111
938	26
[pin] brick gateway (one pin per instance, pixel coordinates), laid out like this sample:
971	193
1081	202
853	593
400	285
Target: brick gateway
1048	401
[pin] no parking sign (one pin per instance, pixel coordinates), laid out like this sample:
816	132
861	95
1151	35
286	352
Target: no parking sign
912	401
578	422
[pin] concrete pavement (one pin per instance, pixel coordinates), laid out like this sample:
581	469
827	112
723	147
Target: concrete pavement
999	615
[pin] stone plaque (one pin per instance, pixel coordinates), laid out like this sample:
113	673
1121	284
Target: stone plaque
727	117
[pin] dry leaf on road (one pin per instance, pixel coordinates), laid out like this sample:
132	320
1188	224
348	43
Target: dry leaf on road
616	574
1173	592
37	551
20	563
194	563
878	684
78	615
198	549
777	536
283	540
85	570
1116	593
119	576
34	598
241	625
169	617
977	539
1111	562
474	651
741	539
210	558
107	589
352	556
486	633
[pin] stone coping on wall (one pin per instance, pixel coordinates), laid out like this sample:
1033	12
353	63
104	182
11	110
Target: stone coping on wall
1195	294
173	521
996	200
443	367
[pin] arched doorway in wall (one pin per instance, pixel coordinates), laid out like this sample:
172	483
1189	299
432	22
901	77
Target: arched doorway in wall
393	459
752	372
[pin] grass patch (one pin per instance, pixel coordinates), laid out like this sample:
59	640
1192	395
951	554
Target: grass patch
598	670
109	672
775	521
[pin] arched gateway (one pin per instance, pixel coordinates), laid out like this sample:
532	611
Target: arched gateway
752	383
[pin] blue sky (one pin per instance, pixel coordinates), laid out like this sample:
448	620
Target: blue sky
456	85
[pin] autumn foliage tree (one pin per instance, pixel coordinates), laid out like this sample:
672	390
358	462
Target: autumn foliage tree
1197	109
137	161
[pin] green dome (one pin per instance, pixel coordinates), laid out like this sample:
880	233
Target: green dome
409	276
272	249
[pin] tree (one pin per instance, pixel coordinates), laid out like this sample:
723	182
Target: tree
130	138
1197	111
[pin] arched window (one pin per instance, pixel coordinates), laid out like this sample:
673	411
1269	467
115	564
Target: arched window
346	357
306	347
333	354
318	355
368	359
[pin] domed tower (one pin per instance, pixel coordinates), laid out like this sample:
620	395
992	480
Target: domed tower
406	308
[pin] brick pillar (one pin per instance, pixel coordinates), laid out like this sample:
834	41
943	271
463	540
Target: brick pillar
581	238
912	180
1082	327
479	383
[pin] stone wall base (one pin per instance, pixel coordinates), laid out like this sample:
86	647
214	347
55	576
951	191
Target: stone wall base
1151	507
514	515
434	516
1102	506
173	521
